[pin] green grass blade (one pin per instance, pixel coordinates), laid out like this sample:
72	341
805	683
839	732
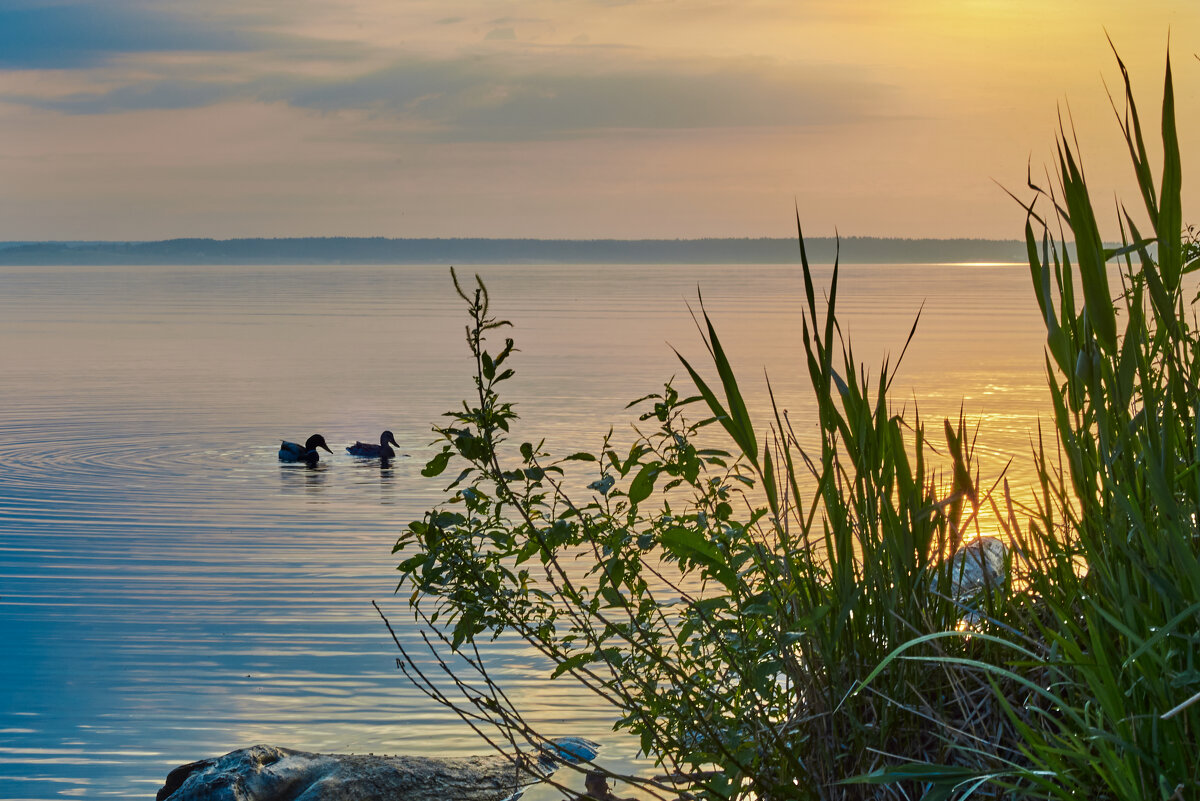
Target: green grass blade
710	398
1089	251
739	416
1170	205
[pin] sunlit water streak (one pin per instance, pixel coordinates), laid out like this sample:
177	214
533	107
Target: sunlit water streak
169	591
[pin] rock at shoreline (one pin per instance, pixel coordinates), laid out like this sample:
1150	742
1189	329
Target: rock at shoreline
976	566
269	773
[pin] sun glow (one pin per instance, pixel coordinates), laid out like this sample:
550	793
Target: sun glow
671	119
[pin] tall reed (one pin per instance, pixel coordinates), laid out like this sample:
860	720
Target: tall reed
1117	584
1103	687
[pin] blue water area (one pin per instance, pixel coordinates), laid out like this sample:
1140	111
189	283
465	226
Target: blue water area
169	591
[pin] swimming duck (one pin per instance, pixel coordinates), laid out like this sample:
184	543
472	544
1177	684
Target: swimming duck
294	452
380	451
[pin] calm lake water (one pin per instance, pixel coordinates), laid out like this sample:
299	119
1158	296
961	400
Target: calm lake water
169	591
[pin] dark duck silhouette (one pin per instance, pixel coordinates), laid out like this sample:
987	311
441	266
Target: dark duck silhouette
381	451
295	452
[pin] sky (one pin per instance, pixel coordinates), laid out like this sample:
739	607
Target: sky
139	119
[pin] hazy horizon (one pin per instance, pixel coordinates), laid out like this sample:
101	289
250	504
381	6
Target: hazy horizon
596	119
380	250
863	237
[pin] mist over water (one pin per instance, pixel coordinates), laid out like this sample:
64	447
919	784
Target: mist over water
169	591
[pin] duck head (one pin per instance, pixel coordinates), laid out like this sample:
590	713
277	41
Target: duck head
387	437
314	442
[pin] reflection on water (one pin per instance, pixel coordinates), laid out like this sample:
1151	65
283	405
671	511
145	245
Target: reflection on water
170	591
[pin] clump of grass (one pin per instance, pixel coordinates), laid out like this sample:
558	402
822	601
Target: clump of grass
1118	578
1104	694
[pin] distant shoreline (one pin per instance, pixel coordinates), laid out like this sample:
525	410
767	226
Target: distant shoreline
380	250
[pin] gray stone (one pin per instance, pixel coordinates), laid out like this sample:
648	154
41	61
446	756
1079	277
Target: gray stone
977	565
269	773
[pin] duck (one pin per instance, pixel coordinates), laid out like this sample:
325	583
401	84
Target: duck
295	452
381	451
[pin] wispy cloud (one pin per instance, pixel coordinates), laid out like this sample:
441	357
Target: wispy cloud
595	116
82	35
488	98
126	55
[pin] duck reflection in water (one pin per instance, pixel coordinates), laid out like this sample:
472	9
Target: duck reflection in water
375	471
316	477
387	482
311	477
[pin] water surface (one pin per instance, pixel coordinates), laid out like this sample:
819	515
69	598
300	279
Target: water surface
169	591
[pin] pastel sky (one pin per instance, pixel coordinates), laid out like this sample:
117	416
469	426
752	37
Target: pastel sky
148	119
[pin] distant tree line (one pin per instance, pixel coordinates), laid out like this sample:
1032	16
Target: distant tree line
381	250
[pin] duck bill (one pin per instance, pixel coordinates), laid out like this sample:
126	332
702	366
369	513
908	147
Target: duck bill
326	447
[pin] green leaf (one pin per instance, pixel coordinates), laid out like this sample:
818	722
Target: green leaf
635	453
705	392
737	407
685	631
572	663
437	464
690	544
915	771
460	478
1093	274
612	596
693	546
937	635
643	483
1170	207
769	480
411	564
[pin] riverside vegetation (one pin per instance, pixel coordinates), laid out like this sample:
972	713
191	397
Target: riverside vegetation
775	620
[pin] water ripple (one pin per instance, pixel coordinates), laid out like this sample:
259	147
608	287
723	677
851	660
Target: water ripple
170	591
